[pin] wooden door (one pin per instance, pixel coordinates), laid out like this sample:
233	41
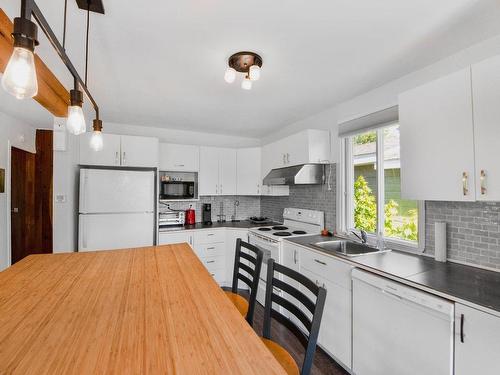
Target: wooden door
23	221
31	198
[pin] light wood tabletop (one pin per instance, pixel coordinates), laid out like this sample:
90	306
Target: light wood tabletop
153	310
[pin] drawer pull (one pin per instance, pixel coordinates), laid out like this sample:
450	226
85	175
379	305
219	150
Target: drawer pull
210	261
320	262
210	234
211	248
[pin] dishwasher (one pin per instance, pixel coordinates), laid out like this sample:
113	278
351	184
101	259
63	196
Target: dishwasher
399	330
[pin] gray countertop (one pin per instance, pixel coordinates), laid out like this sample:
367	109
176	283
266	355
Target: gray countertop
243	224
454	281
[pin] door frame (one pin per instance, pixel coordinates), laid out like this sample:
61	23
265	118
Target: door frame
8	184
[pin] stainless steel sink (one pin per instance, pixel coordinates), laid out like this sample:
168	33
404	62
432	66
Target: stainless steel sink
346	248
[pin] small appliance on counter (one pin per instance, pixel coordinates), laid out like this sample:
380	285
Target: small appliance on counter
206	214
171	217
190	216
178	185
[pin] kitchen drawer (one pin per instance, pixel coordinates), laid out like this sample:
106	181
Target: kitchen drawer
218	275
210	250
214	263
327	267
209	236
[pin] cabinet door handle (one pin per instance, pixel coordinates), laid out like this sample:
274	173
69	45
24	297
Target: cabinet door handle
465	183
221	188
117	158
216	189
190	240
287	157
462	328
284	159
320	262
295	256
482	179
124	158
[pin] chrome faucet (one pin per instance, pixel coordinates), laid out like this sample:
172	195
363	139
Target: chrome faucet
363	238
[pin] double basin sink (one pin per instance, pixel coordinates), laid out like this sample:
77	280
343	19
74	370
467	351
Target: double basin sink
346	248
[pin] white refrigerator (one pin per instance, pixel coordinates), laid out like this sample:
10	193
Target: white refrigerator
116	209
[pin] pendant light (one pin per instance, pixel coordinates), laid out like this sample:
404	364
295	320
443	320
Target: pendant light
96	140
76	121
19	78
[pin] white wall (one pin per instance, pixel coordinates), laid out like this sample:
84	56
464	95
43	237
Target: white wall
13	133
65	215
181	136
387	95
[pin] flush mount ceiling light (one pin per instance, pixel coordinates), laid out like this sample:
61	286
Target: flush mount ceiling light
248	63
20	78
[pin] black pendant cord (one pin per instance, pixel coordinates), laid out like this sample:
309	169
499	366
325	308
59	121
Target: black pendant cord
87	42
64	24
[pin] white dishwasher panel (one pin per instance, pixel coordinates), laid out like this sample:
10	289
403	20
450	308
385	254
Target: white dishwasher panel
398	330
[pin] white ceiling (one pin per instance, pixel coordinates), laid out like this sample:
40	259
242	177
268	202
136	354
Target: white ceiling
161	62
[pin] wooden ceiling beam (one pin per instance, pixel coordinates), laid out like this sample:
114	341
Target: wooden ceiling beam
52	95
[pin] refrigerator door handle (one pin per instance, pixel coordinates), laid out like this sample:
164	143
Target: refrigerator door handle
83	193
84	234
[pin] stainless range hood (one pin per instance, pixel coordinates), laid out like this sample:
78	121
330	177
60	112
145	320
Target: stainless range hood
304	174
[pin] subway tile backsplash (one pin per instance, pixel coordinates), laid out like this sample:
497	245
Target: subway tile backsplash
246	206
473	231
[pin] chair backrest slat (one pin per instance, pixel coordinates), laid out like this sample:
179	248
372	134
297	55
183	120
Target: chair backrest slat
294	292
308	335
254	256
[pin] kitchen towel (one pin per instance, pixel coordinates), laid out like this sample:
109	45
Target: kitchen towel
440	244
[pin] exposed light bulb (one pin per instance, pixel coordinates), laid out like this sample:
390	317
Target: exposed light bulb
254	72
96	141
19	78
246	84
76	121
230	75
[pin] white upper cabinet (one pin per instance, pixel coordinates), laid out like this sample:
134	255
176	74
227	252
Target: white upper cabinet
110	155
179	158
486	94
217	171
120	150
477	342
437	140
307	146
248	175
139	151
209	171
227	171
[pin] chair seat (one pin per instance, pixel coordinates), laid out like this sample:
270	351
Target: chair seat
282	356
238	301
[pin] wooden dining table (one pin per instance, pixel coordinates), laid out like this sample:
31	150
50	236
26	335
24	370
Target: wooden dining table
152	310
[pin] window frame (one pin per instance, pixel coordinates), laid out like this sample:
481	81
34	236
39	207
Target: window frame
346	197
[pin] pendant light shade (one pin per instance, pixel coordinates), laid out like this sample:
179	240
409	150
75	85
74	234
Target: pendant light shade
230	75
19	78
254	72
96	141
76	121
246	84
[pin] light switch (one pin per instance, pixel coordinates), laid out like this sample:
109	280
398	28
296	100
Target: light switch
60	198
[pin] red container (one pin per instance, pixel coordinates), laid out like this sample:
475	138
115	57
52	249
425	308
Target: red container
190	218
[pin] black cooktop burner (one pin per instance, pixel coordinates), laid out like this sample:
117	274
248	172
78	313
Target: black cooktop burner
280	227
257	219
282	234
265	229
299	232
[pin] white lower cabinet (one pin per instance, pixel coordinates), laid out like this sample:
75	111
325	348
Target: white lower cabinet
209	245
335	335
477	342
168	238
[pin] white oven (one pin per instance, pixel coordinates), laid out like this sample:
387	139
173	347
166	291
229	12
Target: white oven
271	249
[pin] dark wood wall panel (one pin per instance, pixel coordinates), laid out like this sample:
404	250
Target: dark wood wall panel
43	186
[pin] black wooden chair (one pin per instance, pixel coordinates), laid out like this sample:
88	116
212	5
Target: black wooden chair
248	275
274	300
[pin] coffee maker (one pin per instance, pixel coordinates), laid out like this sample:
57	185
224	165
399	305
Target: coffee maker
206	214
